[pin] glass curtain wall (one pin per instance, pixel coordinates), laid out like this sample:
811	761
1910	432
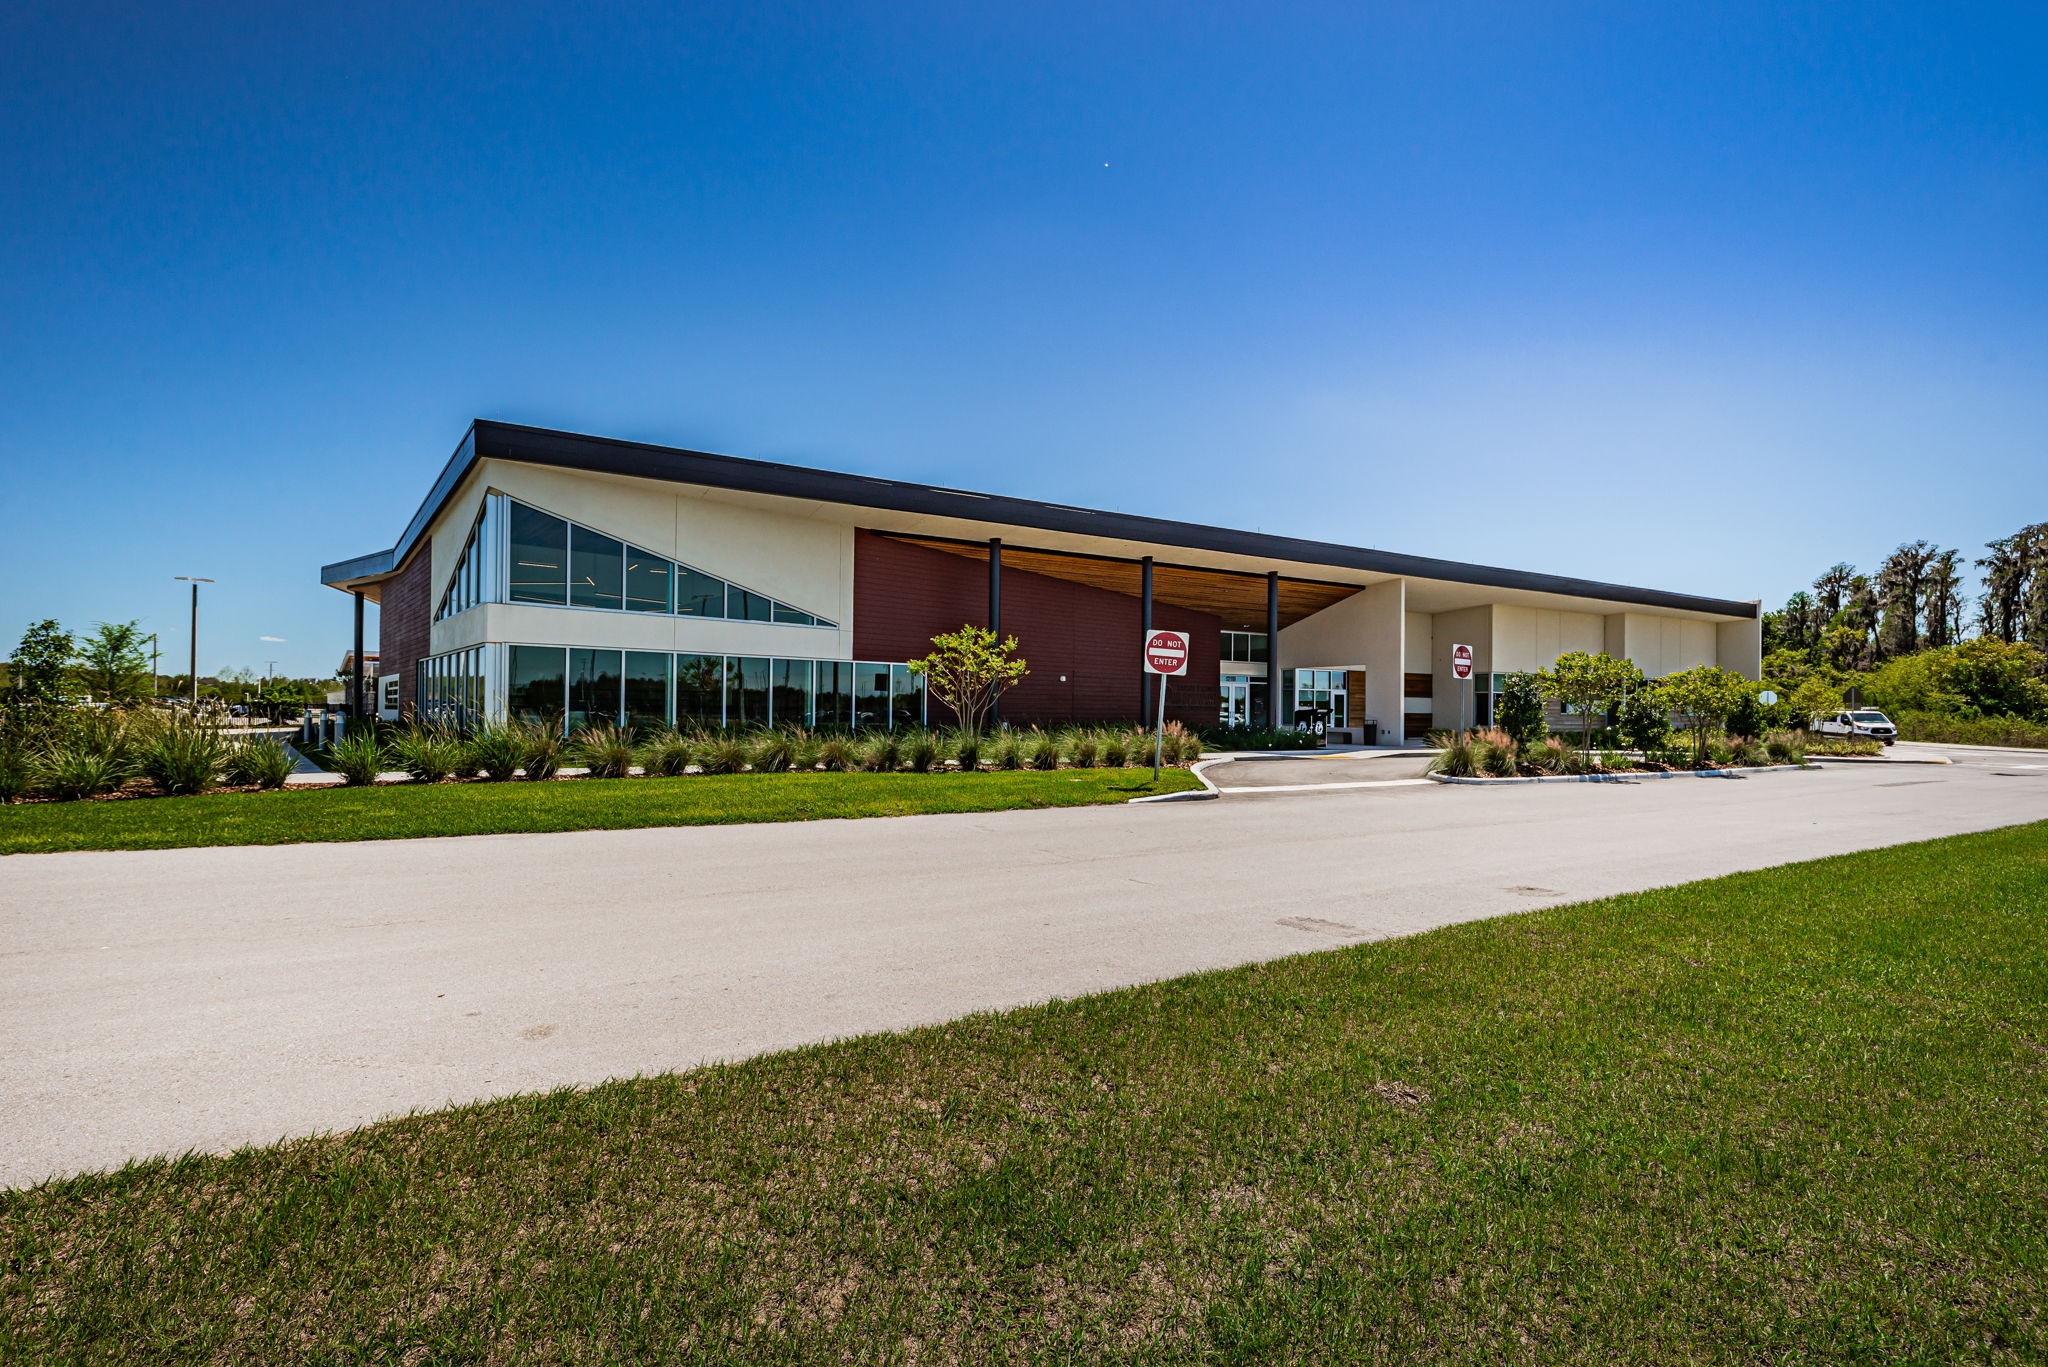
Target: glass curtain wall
594	695
535	680
539	572
700	690
470	583
789	688
451	687
834	703
647	688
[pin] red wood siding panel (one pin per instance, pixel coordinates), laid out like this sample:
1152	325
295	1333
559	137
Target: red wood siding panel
903	595
404	622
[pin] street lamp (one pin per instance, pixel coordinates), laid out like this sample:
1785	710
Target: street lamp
195	583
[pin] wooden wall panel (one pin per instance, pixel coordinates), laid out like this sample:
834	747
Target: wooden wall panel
904	594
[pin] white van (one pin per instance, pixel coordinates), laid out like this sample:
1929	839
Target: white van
1862	723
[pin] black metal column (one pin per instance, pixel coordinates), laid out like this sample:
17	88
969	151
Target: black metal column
995	608
1145	623
1273	649
355	696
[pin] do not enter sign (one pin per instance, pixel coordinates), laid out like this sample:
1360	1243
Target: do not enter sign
1166	652
1461	662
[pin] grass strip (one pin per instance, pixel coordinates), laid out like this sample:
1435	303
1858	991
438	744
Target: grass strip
1799	1115
407	811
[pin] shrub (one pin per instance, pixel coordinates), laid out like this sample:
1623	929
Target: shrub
921	752
357	757
882	753
667	754
180	754
1518	708
1716	749
428	754
1042	750
1247	738
721	754
73	771
967	751
1007	752
772	752
498	749
1455	756
1495	753
1614	762
836	754
1083	749
1642	721
541	754
1751	753
17	773
262	763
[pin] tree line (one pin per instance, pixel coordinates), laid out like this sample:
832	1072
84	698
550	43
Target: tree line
111	664
1917	600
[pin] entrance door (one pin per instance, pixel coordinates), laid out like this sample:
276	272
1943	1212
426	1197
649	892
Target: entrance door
1237	700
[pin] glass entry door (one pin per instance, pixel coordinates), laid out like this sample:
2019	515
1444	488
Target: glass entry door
1237	700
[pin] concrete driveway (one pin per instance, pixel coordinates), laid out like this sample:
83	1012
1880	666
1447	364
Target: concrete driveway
158	1001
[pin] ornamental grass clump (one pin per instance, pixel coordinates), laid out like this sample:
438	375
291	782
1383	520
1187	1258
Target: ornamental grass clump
1786	747
803	750
428	754
921	752
498	749
358	757
1006	751
541	756
1181	746
606	750
1116	748
179	753
772	752
721	754
836	755
71	772
967	751
1496	753
263	762
666	755
882	753
1083	749
1456	755
1042	750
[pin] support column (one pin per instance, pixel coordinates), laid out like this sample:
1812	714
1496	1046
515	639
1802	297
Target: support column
1273	718
355	698
995	608
1145	627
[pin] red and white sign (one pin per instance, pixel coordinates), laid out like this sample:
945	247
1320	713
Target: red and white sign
1166	652
1461	662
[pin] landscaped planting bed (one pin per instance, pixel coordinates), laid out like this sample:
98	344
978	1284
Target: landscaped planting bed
1795	1115
1495	754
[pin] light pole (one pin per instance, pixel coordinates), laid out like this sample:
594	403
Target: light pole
195	583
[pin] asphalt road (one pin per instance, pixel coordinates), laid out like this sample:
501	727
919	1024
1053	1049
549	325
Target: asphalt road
159	1001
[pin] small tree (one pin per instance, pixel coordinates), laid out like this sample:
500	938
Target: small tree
1587	682
112	663
1706	696
968	670
37	666
1644	718
1518	707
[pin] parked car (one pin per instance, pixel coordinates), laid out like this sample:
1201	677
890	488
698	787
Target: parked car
1864	723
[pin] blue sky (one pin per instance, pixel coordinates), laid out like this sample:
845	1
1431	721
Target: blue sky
1701	297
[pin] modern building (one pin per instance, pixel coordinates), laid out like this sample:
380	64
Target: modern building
550	574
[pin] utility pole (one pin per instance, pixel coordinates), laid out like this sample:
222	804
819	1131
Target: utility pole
195	583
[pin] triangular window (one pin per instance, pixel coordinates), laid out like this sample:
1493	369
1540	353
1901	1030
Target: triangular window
556	561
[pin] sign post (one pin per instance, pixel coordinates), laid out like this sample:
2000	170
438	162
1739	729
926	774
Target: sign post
1166	652
1461	668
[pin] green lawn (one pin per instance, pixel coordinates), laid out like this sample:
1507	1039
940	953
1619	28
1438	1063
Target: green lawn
1794	1116
406	811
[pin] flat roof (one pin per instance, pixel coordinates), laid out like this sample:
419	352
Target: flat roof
489	440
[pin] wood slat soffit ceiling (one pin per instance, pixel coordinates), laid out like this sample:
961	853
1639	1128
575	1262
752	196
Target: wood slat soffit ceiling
1239	599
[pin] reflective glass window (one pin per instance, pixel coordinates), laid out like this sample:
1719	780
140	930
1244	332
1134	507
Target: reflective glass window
789	682
789	615
540	557
834	705
906	704
593	687
597	567
870	695
649	581
700	690
746	691
743	606
647	689
699	594
533	683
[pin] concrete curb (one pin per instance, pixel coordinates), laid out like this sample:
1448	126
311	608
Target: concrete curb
1627	778
1875	759
1205	793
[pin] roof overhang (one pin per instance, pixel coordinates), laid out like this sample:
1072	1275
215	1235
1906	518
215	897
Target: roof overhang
1072	528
